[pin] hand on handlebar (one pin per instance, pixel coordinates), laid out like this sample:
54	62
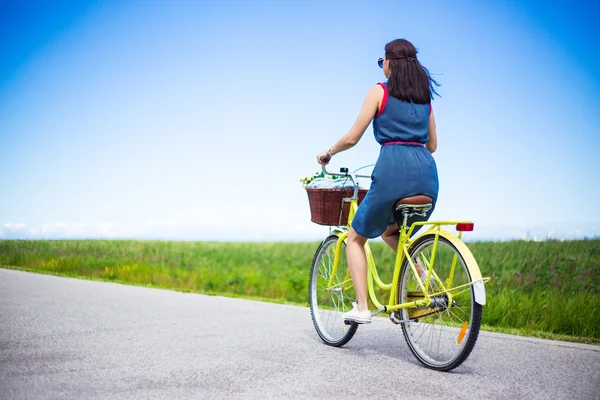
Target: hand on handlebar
323	158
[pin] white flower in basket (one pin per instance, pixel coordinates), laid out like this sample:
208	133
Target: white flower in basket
318	181
307	180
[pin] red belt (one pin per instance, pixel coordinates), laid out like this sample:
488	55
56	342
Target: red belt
405	143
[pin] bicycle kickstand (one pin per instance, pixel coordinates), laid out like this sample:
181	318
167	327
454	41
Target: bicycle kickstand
397	320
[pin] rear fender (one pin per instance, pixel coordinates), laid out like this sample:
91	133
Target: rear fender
471	263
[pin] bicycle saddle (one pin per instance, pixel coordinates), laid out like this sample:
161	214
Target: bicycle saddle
413	205
419	199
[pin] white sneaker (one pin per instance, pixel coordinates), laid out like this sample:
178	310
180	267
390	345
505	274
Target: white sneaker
359	317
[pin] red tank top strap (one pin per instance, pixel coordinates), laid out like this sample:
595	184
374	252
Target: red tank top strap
384	99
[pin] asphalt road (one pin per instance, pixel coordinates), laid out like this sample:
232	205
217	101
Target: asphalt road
65	338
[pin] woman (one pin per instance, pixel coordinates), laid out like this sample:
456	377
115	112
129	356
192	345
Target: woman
403	123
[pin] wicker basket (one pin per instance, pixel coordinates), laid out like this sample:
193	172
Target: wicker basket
326	205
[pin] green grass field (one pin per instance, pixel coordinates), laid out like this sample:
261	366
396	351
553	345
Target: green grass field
546	289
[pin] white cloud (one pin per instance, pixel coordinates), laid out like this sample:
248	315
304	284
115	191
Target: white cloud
13	231
13	226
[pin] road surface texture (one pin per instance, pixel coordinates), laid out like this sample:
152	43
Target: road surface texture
63	338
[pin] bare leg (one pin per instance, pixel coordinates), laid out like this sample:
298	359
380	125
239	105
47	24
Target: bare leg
391	237
357	264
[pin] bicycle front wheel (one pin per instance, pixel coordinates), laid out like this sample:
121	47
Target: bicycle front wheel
331	298
442	335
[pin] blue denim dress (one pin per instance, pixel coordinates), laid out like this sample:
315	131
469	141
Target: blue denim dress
402	170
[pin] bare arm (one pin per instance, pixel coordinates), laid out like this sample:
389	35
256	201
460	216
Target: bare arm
431	144
367	112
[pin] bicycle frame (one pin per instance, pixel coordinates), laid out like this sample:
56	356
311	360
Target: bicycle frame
404	244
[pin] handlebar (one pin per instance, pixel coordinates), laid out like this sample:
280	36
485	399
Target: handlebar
345	173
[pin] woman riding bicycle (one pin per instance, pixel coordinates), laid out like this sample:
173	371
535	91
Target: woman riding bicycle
404	125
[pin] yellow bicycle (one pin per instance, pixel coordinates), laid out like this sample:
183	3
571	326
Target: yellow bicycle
440	314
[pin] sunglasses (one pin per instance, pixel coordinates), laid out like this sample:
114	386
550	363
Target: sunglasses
380	62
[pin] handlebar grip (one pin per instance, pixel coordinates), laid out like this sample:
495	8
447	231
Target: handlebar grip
325	159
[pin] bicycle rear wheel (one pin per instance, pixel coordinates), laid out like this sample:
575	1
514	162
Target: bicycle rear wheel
442	335
328	304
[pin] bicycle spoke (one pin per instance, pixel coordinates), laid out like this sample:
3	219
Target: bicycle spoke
424	330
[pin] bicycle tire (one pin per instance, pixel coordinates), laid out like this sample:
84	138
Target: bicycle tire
457	326
327	307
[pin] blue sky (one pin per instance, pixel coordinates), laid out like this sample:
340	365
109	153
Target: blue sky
195	119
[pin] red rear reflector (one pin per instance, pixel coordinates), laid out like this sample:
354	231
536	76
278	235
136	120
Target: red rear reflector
465	227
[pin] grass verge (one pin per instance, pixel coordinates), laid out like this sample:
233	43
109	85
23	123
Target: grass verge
542	289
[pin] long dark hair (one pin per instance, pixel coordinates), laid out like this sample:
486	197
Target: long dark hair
409	80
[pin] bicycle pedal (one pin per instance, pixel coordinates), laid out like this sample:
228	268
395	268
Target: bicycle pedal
348	322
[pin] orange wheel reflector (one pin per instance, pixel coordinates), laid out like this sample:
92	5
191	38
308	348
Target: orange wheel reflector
461	334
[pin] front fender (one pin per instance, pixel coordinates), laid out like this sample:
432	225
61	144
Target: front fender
340	233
